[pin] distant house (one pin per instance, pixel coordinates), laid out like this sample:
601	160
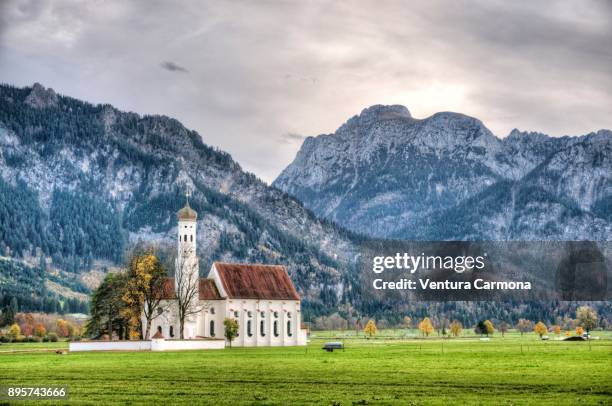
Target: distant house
261	298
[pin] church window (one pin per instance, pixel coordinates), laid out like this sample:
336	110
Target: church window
249	329
212	328
191	238
276	315
171	331
212	310
289	333
263	315
262	328
275	328
236	314
288	315
159	329
249	314
160	310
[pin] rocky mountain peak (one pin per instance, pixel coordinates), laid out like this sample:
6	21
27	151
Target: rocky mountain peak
40	97
375	113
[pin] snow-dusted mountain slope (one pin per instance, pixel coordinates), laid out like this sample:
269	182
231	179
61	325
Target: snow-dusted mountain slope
387	174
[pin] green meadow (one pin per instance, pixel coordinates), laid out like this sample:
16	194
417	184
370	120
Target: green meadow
389	371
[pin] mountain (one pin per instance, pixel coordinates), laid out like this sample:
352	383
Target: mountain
388	175
81	183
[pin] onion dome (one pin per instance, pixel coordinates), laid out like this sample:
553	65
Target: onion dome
187	213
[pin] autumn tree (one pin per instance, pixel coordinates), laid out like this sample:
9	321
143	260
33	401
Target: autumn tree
489	328
231	329
587	318
426	327
61	327
406	322
14	331
370	329
557	329
455	328
540	329
40	330
144	290
579	331
524	326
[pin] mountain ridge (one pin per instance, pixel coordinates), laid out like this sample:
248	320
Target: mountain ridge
380	174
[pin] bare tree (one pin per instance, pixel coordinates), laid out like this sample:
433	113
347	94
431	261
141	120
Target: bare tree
186	280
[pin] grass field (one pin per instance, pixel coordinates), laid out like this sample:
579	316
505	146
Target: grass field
512	370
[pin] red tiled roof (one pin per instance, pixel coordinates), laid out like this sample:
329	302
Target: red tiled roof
207	290
254	281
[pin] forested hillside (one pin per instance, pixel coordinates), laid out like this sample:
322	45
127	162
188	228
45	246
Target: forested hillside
81	183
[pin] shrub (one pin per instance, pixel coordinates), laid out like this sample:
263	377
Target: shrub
52	337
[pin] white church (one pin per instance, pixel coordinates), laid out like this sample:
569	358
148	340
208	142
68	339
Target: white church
261	298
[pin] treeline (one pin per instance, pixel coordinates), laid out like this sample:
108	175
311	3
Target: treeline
22	289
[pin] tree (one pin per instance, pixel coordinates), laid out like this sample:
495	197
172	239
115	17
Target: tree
407	322
579	331
40	330
62	328
587	318
14	331
524	326
489	329
504	327
426	327
370	329
358	327
484	327
540	329
231	329
107	308
557	329
455	328
144	290
186	280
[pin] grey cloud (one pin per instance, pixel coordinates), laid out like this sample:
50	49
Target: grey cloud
173	67
257	70
292	138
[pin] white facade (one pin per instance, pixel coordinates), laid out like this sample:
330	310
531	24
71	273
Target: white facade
261	321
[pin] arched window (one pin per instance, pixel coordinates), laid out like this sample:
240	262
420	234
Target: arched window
263	315
289	333
171	331
288	315
236	314
275	328
249	329
276	315
212	310
262	328
191	238
249	314
212	328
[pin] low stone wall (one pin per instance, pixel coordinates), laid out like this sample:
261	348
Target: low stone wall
154	345
177	345
76	346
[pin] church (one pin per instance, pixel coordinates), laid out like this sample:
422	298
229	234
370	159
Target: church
261	298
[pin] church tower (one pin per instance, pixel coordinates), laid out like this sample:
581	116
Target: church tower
187	266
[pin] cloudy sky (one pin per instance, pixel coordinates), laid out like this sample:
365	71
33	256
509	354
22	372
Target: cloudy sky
255	77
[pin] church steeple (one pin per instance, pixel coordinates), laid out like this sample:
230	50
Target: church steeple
187	213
